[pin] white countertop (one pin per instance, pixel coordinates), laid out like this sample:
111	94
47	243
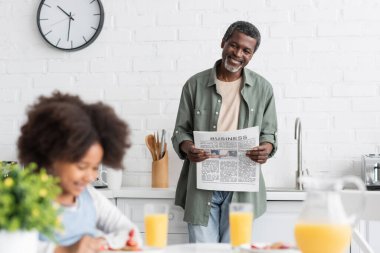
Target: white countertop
169	193
351	199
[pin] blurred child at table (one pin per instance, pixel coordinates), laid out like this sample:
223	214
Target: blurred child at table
71	139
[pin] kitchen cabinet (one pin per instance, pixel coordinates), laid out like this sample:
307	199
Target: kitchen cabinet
370	231
369	225
131	202
108	194
134	209
373	235
361	227
277	224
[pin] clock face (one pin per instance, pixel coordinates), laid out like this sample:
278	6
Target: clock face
70	24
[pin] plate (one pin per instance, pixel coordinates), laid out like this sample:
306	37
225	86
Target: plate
143	250
248	249
184	248
199	248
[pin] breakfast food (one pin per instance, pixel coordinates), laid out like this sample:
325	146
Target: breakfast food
126	248
275	245
130	245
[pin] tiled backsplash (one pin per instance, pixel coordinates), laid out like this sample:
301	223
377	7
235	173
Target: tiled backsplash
322	58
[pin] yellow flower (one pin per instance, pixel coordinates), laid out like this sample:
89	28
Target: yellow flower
35	212
8	182
43	192
44	177
58	225
58	221
56	206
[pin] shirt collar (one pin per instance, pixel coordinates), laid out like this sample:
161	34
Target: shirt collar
212	78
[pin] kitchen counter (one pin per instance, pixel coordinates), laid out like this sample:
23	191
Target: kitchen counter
283	208
350	198
169	193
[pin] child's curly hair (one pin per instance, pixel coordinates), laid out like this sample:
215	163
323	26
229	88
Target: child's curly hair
62	128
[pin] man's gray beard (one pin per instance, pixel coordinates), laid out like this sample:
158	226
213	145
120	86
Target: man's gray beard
231	68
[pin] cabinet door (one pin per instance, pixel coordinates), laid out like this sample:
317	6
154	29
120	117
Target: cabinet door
112	200
277	224
361	227
374	235
134	209
370	231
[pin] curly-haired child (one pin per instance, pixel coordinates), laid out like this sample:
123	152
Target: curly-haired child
71	138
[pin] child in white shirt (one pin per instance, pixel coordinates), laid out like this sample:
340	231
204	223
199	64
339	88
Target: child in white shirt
71	139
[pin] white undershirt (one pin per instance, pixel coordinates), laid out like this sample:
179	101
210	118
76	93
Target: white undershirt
231	97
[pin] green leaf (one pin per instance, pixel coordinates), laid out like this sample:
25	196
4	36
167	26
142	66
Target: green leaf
28	203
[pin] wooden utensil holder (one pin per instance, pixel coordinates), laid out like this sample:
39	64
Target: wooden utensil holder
160	174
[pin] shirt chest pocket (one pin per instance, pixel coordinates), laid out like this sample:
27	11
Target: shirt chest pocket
202	120
255	116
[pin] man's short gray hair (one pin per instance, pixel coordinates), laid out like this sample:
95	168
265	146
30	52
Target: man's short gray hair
246	28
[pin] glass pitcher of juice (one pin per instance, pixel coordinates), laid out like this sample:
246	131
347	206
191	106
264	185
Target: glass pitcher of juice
323	224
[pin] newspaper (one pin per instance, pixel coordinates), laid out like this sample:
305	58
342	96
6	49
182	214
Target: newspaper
228	169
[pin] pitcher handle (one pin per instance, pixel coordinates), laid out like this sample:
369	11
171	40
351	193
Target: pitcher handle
339	185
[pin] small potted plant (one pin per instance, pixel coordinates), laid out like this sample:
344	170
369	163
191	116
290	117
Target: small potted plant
26	207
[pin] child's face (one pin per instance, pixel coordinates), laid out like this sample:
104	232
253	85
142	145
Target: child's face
74	177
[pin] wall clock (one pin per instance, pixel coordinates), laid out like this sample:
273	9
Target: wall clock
70	24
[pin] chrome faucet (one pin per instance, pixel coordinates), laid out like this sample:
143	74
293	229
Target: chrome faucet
298	137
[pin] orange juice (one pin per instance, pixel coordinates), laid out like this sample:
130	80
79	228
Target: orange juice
240	227
326	238
156	230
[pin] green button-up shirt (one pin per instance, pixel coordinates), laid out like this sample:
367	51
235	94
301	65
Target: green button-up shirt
198	111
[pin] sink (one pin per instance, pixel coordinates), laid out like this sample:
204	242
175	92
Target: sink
283	189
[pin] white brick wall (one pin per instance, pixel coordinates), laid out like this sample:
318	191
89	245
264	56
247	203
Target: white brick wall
322	57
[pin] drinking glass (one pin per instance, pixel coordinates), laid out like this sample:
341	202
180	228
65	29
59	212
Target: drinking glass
241	219
156	225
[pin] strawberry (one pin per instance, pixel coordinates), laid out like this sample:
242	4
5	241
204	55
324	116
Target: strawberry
131	243
131	233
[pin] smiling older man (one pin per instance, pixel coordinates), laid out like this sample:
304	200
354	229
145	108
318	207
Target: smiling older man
224	98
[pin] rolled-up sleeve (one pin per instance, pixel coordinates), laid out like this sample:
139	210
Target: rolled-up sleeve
183	129
268	131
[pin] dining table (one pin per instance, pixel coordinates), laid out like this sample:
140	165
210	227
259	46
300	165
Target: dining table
187	248
199	248
206	248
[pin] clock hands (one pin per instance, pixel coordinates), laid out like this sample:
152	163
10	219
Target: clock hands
79	25
60	21
71	18
68	32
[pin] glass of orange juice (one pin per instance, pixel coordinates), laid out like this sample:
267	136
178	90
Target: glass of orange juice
322	237
241	219
156	225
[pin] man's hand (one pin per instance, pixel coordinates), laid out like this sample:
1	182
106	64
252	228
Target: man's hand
86	244
193	154
260	153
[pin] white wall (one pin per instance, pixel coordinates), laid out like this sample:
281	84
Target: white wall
322	57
